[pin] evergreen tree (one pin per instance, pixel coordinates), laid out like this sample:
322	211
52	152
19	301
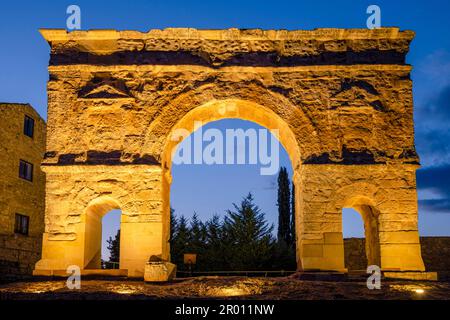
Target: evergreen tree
284	252
248	237
284	211
293	233
241	241
180	242
173	226
213	227
114	250
214	253
283	257
197	240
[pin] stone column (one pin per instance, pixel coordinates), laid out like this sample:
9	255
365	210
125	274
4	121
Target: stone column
320	245
398	223
63	239
139	241
370	218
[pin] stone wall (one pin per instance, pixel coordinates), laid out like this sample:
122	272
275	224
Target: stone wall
19	252
124	91
355	254
18	255
435	253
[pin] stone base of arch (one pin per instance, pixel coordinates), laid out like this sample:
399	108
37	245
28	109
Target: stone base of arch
141	240
142	193
72	237
324	190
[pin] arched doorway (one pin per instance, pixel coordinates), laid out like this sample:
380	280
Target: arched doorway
203	194
93	216
354	240
371	229
363	251
214	111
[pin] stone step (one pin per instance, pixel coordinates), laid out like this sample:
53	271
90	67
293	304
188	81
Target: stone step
85	272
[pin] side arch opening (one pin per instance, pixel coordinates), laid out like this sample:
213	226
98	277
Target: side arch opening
94	215
361	247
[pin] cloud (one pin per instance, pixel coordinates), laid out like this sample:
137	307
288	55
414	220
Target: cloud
429	194
432	117
433	135
435	68
434	182
433	147
435	206
435	177
436	108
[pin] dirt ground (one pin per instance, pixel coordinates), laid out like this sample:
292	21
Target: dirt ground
287	288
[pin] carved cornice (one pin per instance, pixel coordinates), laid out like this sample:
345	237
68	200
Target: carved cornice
231	47
322	34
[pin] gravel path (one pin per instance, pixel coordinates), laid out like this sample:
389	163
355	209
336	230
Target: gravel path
288	288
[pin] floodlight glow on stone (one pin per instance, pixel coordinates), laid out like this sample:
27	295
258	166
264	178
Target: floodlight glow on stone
419	291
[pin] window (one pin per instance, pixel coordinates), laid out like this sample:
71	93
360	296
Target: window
28	126
26	170
22	224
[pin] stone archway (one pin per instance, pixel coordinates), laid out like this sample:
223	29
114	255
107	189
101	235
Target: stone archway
213	111
342	100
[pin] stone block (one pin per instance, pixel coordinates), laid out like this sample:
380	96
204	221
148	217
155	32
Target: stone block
332	238
312	250
401	257
159	271
417	276
399	237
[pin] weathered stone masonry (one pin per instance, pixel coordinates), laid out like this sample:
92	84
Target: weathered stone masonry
19	252
341	100
435	254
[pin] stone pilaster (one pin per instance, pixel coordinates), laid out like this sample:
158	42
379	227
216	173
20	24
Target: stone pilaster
79	197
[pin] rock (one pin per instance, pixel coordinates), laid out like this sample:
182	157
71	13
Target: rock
159	271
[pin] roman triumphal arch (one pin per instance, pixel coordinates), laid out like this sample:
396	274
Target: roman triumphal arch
341	101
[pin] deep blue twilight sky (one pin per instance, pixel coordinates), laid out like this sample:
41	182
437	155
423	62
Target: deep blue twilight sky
211	189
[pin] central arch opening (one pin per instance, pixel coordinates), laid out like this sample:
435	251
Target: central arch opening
226	212
225	193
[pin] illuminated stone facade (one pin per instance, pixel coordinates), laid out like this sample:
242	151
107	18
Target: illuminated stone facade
341	100
20	246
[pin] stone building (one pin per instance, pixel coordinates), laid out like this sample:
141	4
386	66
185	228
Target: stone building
340	99
22	188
